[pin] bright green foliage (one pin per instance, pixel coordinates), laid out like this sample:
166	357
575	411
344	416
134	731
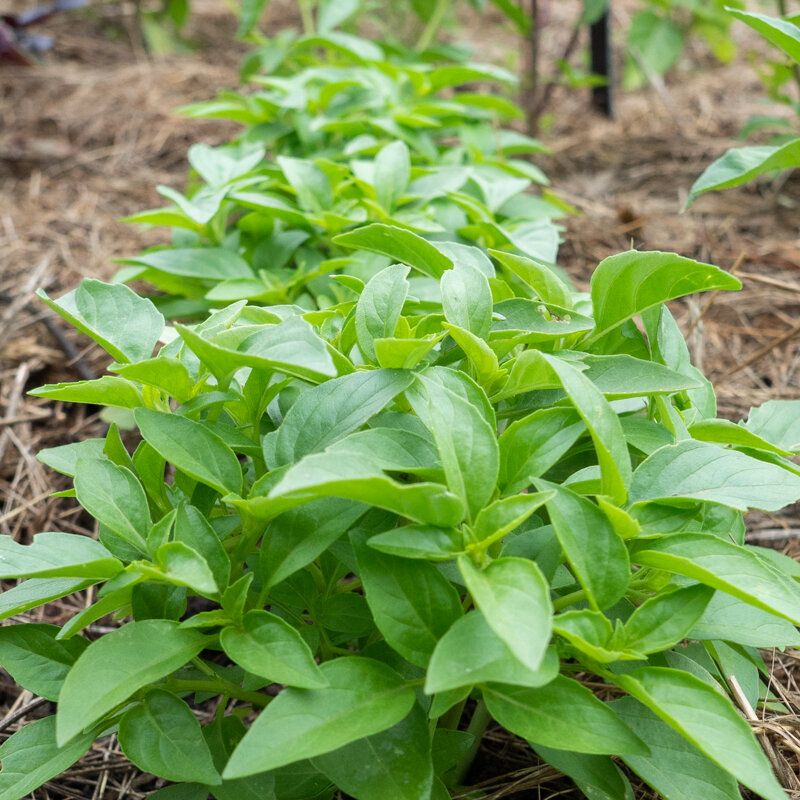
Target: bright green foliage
660	29
350	145
362	532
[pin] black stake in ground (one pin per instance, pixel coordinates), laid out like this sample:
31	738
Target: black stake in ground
599	32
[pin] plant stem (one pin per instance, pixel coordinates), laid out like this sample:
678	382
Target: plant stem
532	100
477	726
434	22
451	718
220	686
307	17
569	599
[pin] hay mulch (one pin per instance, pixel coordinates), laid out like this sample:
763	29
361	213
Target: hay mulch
85	139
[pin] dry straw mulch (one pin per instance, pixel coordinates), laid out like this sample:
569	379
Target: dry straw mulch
85	139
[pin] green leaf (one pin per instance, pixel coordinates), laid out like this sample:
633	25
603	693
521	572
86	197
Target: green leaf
184	566
724	565
34	658
420	542
291	347
364	697
391	174
675	768
533	444
332	13
547	285
328	412
503	516
38	591
666	619
163	372
65	457
471	652
518	321
399	244
394	353
162	736
192	448
123	324
598	777
249	17
467	443
627	284
353	46
603	424
457	74
115	666
379	307
56	555
514	598
698	471
268	646
516	14
310	183
295	538
564	715
733	620
467	299
619	376
194	530
777	421
595	551
114	497
591	633
349	476
412	602
741	164
488	372
781	32
202	263
723	431
657	40
394	763
31	757
219	165
708	720
107	391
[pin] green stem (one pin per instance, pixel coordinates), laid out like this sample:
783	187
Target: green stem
434	21
569	599
451	718
307	16
477	726
220	686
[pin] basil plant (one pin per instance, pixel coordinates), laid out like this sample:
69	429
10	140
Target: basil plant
353	537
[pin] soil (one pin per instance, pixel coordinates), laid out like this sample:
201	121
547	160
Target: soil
86	137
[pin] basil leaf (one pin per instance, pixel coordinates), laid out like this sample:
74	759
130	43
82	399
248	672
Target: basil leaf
112	668
364	697
162	736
